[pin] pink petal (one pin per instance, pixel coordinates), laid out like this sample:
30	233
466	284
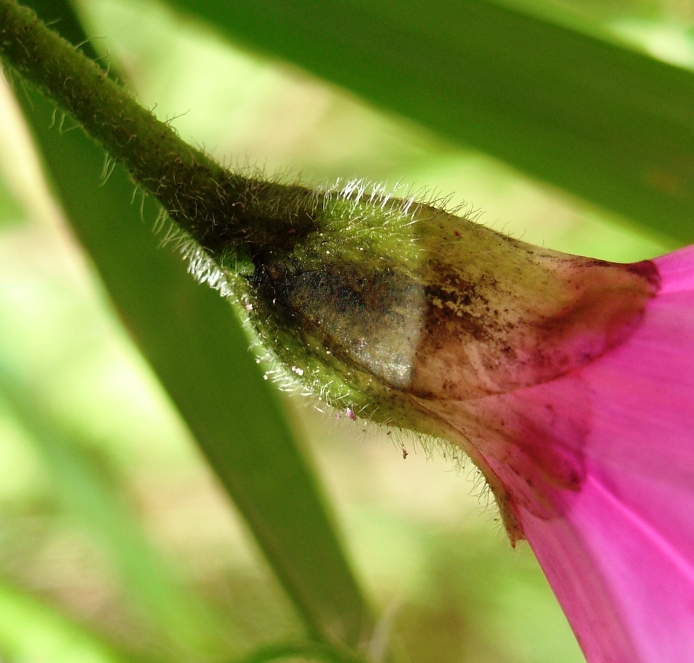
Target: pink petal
618	549
627	590
677	270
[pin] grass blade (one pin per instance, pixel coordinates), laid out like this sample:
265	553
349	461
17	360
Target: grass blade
598	120
180	620
32	631
196	346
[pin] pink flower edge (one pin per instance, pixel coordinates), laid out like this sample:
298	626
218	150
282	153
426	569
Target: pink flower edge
619	551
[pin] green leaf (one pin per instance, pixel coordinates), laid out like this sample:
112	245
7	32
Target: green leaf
196	346
10	209
182	620
596	119
312	651
31	631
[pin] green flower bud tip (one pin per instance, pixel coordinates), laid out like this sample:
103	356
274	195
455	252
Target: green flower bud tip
406	314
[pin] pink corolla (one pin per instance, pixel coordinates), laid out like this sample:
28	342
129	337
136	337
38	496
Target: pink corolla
619	549
595	468
568	381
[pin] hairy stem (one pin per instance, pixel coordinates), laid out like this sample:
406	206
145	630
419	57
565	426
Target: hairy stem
217	207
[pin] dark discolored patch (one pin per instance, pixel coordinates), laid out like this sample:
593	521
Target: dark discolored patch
647	270
366	316
462	317
341	289
456	301
487	335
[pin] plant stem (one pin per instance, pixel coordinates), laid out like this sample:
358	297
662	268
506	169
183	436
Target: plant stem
216	207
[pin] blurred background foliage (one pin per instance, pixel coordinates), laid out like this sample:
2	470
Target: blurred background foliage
117	540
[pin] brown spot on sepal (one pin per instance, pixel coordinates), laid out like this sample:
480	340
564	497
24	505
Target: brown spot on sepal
492	335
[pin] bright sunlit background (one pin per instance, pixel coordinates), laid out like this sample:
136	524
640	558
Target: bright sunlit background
116	537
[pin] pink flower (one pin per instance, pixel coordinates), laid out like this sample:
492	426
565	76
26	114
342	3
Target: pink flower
595	467
621	557
568	381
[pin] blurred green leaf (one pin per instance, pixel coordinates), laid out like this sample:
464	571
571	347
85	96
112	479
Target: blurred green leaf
10	208
598	120
31	631
196	346
182	620
311	651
